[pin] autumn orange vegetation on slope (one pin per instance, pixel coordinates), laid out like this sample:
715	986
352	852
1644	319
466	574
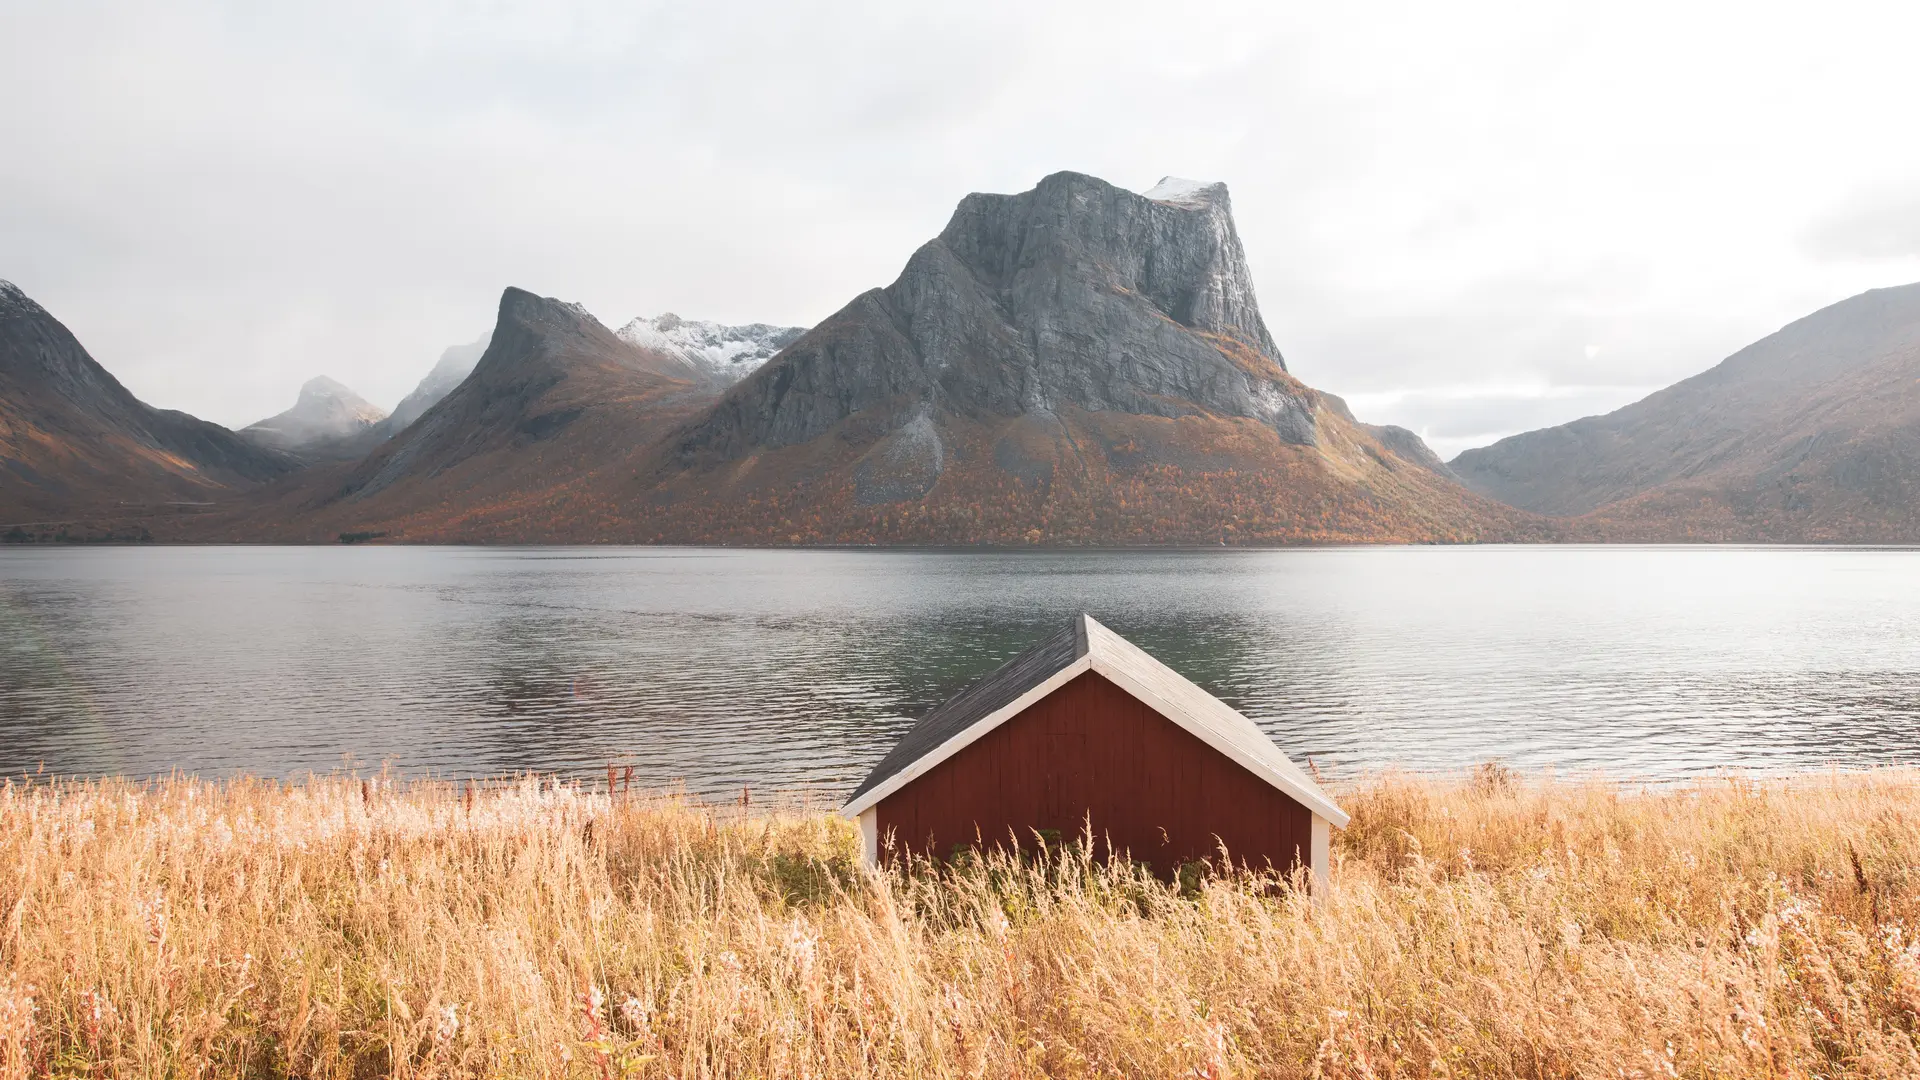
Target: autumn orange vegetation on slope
1082	479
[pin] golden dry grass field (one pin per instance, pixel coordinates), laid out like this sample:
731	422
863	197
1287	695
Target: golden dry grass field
1485	927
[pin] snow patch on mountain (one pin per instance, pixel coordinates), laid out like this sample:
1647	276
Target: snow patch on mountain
727	354
1183	192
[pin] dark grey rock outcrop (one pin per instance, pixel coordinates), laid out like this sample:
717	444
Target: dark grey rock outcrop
1076	293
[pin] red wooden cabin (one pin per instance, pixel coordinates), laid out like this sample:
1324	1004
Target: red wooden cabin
1086	728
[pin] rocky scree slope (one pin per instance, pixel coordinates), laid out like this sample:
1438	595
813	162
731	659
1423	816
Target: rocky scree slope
74	442
1811	433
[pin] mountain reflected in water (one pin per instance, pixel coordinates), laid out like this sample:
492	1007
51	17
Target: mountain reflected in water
795	669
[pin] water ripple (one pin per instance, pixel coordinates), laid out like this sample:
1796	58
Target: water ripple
725	668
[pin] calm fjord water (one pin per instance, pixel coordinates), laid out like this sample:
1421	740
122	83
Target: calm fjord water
796	669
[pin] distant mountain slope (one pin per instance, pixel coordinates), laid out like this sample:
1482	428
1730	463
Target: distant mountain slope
1072	364
726	353
455	365
327	421
513	452
73	441
1811	433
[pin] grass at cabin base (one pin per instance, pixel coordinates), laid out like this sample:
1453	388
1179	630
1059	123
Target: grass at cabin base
1474	929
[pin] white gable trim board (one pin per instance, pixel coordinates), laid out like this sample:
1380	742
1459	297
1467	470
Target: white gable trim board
1162	689
1312	799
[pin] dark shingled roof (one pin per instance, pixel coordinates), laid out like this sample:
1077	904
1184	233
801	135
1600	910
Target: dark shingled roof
980	700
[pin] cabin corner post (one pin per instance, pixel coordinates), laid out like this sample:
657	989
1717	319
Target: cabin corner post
870	836
1320	854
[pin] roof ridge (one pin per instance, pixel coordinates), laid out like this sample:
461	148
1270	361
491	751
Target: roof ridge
1086	645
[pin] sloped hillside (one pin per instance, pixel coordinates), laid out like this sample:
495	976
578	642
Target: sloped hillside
75	444
1810	434
555	405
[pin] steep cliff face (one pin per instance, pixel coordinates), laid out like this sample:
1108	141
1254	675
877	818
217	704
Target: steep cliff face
327	421
74	441
1073	294
1072	364
1811	433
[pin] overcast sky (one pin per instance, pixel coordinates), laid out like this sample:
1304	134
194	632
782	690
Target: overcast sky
1468	219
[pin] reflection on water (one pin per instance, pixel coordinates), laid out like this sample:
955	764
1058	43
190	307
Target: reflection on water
724	668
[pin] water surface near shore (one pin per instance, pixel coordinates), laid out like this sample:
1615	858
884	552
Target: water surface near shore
795	669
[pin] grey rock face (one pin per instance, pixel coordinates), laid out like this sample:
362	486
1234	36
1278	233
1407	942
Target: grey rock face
1074	293
325	413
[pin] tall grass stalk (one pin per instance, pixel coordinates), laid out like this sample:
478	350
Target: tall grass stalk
1487	927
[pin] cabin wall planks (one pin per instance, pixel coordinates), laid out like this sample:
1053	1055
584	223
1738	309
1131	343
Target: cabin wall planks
1091	752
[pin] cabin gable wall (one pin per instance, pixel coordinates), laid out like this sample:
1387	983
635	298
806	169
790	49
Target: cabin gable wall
1090	749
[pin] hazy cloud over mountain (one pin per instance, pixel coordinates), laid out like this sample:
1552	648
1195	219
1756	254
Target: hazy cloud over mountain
1880	225
1469	219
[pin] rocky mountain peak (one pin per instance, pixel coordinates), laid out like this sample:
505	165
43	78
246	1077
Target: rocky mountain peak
326	412
533	338
323	391
1175	247
548	364
37	347
544	313
1193	194
1074	294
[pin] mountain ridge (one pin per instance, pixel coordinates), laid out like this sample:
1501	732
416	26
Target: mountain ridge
327	421
518	389
978	362
454	365
725	353
1075	363
76	443
1806	433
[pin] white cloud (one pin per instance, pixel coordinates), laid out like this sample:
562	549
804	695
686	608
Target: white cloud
1882	224
224	199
